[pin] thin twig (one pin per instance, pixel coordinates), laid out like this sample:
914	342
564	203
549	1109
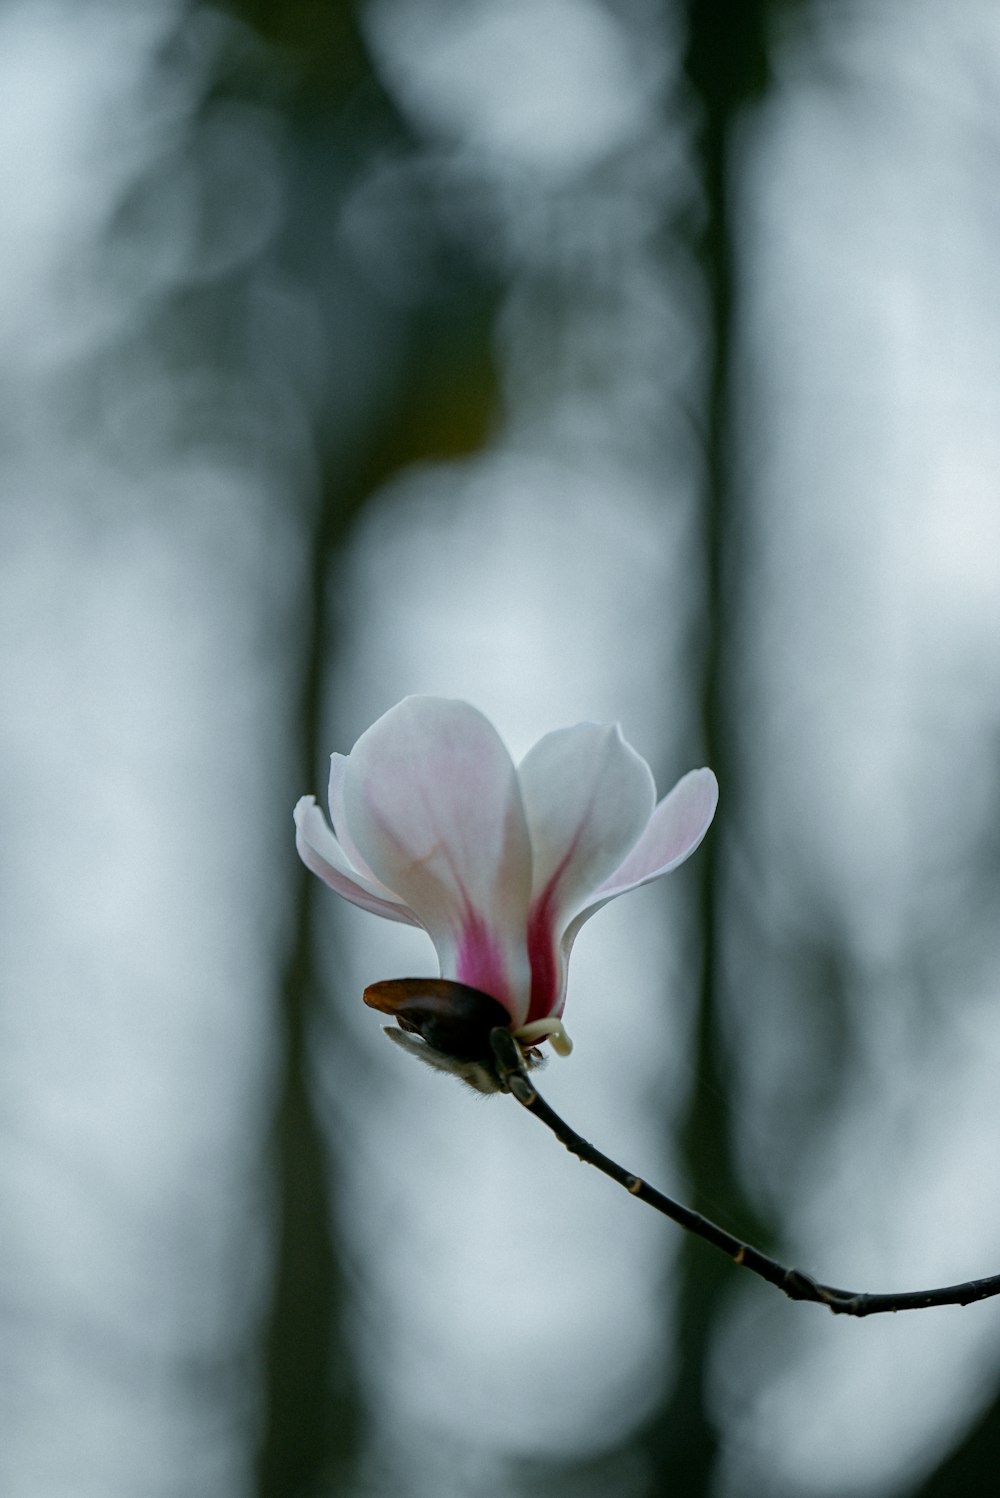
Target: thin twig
792	1282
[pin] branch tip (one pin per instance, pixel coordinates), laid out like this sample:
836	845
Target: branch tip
794	1283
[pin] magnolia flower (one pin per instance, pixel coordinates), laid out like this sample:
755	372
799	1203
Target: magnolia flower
434	826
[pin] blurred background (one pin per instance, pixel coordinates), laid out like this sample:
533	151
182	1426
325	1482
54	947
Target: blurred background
608	359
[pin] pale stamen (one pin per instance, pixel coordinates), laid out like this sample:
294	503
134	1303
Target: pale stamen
552	1030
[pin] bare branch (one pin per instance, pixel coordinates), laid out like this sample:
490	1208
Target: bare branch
792	1282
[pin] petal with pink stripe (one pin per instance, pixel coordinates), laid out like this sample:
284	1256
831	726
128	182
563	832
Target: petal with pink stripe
431	800
587	797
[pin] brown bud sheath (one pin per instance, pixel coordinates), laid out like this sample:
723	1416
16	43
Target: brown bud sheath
452	1017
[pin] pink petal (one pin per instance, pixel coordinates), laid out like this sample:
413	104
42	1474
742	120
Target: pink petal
675	830
338	816
321	852
587	797
431	798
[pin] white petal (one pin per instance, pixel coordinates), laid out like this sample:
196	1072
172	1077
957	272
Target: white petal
321	852
431	800
675	830
587	797
338	816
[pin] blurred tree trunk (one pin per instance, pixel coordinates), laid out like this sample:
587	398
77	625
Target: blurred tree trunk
313	1417
440	405
970	1468
726	72
725	66
312	1410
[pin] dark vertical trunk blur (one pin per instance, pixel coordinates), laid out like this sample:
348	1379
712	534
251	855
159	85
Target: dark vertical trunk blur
725	66
725	71
971	1466
312	1413
440	404
312	1419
